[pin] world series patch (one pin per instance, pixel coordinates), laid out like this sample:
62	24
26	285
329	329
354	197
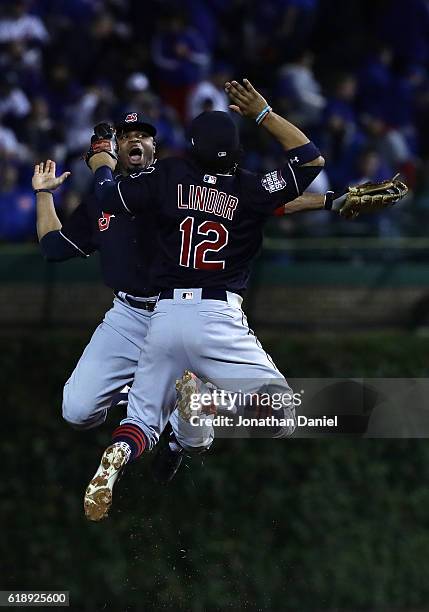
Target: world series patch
273	181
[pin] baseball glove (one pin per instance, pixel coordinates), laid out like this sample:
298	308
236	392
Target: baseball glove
103	141
372	197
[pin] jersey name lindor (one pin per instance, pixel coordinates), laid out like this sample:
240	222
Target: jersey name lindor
207	199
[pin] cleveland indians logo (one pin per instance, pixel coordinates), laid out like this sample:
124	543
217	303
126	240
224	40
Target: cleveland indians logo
104	222
131	117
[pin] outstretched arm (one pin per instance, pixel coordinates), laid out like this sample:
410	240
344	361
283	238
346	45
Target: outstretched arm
369	197
314	201
307	201
57	242
44	178
248	102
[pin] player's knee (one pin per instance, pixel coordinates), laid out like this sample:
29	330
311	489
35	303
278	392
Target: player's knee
79	413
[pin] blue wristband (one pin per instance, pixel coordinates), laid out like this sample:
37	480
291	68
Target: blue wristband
263	112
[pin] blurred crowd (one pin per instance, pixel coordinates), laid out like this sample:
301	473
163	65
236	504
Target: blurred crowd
353	74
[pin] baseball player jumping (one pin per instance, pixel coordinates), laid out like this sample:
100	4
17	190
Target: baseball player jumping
110	359
208	215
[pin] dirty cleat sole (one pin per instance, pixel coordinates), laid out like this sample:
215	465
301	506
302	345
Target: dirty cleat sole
186	387
98	494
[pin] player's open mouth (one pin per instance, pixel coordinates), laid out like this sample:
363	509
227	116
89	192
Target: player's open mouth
135	155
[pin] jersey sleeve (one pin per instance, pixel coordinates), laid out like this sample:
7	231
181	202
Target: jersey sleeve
130	194
267	192
78	233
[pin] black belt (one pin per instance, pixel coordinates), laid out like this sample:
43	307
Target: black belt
207	293
149	305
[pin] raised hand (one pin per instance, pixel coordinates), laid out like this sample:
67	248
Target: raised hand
44	176
247	101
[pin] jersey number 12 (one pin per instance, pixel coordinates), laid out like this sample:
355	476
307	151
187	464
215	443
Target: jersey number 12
200	250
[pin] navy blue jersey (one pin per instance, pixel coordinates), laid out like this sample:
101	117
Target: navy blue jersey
209	227
124	245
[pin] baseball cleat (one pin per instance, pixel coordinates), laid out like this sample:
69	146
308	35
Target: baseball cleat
189	388
166	463
98	494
